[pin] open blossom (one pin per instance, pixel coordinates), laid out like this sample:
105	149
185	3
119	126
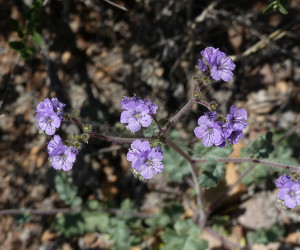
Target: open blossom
289	191
48	122
61	156
209	131
220	66
282	180
137	112
223	67
145	160
290	194
237	117
215	131
49	115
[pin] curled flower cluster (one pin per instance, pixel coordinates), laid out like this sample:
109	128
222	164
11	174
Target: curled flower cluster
137	112
217	63
49	115
214	130
146	161
60	155
289	192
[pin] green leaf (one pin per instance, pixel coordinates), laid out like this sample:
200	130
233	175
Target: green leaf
151	131
263	236
27	53
95	221
36	4
282	9
213	171
93	204
66	190
212	152
17	45
270	8
261	147
159	220
23	218
212	174
186	236
283	153
70	224
14	24
37	38
174	164
119	235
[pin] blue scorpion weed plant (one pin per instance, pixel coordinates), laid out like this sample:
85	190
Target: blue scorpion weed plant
146	154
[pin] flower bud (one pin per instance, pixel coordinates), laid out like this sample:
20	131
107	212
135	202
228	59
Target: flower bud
197	95
87	128
85	137
213	106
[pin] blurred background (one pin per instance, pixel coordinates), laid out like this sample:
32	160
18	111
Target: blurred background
90	53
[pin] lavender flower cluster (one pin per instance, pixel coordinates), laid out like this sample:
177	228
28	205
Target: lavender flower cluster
137	112
217	63
214	129
60	155
146	160
289	192
49	115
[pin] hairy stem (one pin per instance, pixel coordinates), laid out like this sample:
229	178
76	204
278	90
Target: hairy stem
115	139
106	137
203	103
180	113
201	220
255	161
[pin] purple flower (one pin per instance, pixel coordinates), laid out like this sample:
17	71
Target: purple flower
45	106
58	107
235	136
282	180
222	68
137	112
49	115
48	122
290	194
54	145
237	118
145	160
210	132
63	158
201	65
212	115
226	128
209	55
152	107
214	130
